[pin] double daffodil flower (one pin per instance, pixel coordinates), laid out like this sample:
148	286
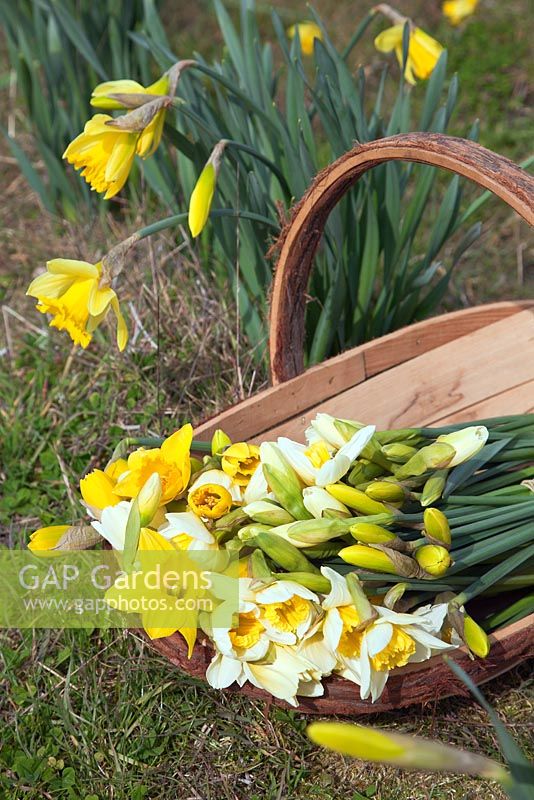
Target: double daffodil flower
257	649
367	650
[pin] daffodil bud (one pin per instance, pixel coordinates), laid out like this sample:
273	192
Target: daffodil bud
259	567
398	453
361	602
433	488
307	32
318	501
369	533
283	481
400	750
356	499
314	531
281	551
202	195
316	583
219	442
436	527
231	522
475	637
196	465
466	443
364	471
248	533
267	513
54	539
334	431
149	499
435	456
379	560
467	629
385	491
433	559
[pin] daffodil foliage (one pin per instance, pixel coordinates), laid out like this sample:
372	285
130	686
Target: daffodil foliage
231	145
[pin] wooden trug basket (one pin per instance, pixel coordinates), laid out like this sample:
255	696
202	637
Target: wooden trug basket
468	364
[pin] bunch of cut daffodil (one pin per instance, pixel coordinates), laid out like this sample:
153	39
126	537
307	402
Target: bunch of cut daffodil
358	550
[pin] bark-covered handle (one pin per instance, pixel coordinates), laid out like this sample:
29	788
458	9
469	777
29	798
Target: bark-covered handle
298	241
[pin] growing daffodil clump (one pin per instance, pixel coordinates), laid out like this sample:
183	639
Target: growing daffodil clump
131	122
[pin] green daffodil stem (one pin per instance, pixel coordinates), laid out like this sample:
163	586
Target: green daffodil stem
471	555
176	219
493	518
153	441
484	500
494	575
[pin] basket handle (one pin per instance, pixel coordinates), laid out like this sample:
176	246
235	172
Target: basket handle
299	240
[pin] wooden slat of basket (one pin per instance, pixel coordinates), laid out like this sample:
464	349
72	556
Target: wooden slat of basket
299	396
388	351
439	383
519	400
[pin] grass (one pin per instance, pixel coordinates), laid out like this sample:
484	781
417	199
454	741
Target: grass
96	715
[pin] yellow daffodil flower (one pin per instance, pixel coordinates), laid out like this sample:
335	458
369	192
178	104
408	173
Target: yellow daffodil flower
240	461
106	149
171	461
458	10
308	32
47	538
97	487
108	95
213	493
210	500
78	297
423	51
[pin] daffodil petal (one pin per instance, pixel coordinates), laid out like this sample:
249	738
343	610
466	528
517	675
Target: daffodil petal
71	266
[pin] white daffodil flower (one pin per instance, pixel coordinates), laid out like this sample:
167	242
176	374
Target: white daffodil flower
257	488
286	610
284	674
367	652
252	650
323	428
187	532
467	442
184	531
317	465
